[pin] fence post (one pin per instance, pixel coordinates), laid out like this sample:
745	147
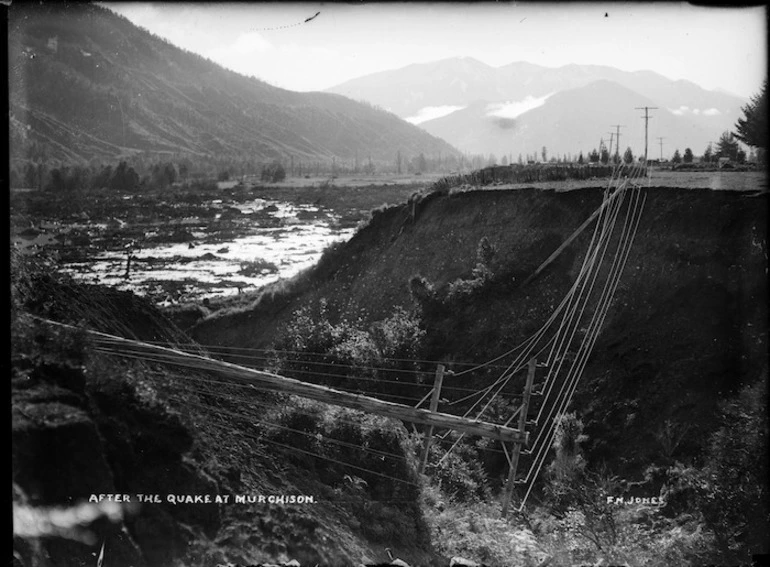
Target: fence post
517	446
433	407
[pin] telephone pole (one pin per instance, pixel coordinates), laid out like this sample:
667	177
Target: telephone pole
617	137
433	407
646	119
660	141
612	134
523	410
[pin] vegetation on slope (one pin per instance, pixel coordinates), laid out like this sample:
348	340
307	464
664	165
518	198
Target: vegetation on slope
88	423
712	506
686	330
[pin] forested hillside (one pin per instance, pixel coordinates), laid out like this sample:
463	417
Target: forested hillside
87	84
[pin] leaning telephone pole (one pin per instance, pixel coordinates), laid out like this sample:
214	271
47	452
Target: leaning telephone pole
523	410
646	119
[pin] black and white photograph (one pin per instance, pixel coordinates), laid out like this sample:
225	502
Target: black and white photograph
427	284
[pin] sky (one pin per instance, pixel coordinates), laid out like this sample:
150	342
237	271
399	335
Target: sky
716	48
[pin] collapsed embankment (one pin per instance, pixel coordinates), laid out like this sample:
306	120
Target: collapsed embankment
87	423
687	328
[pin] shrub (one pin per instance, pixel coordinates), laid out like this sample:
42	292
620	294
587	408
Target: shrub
459	475
363	441
336	353
257	267
730	491
481	275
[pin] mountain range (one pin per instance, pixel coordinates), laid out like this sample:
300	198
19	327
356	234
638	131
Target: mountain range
522	107
85	83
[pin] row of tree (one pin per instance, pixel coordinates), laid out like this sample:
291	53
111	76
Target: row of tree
123	177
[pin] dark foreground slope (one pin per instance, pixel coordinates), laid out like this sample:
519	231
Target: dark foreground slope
687	328
86	83
86	423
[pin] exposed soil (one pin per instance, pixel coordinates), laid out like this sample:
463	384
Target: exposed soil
687	328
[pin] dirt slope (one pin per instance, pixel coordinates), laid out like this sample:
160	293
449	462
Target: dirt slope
687	328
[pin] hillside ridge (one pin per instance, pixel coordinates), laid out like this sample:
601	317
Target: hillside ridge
121	90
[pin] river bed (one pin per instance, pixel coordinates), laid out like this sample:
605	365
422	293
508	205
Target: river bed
229	248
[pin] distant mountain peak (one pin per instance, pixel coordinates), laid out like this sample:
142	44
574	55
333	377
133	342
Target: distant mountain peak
517	93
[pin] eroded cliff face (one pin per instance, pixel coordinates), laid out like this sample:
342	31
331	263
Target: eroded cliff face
687	327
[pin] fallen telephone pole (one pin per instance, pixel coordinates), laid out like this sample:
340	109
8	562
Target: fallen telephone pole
276	383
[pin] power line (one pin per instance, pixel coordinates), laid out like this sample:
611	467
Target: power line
646	120
313	454
621	258
586	263
617	138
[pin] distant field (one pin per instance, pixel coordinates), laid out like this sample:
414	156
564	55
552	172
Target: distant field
358	180
716	180
350	194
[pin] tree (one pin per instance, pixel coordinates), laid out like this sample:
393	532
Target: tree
605	156
752	129
708	154
628	156
727	146
164	174
688	157
369	168
274	172
504	161
30	176
124	178
593	157
677	157
544	153
492	160
580	158
421	164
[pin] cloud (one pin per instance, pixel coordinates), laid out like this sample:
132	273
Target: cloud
250	42
513	109
432	112
682	110
239	55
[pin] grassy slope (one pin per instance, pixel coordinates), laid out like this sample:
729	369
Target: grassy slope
688	325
